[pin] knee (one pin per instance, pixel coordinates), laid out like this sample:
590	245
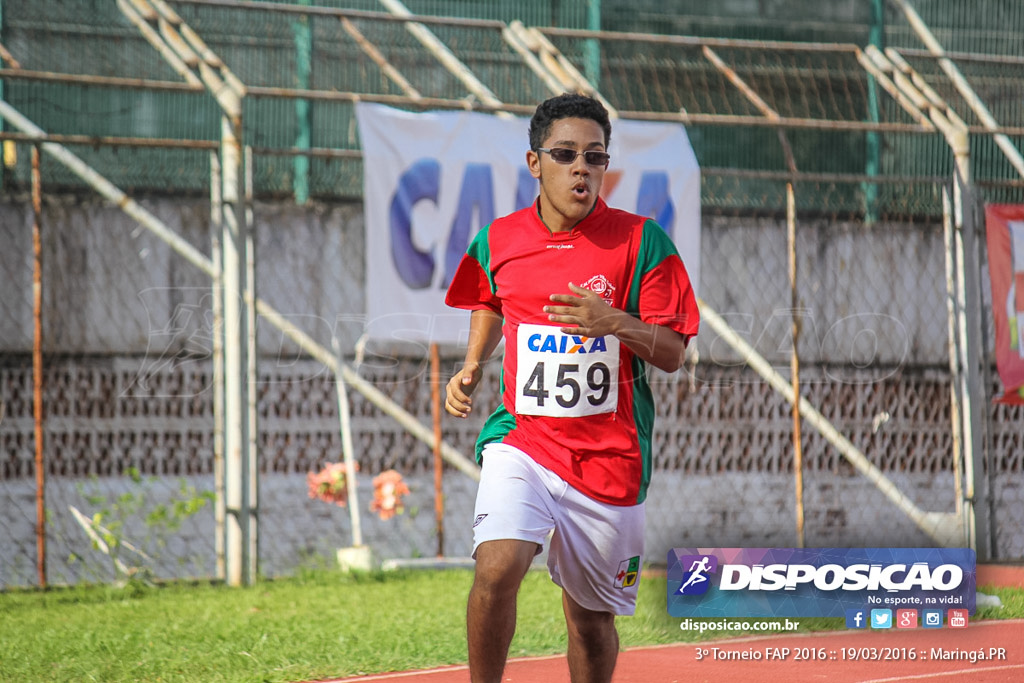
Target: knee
495	582
592	626
498	574
589	626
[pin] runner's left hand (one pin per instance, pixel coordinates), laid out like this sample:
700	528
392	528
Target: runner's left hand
583	313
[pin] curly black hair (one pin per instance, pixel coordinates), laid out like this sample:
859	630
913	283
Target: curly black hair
567	106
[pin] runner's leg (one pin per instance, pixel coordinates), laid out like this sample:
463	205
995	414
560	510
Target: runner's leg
593	642
491	611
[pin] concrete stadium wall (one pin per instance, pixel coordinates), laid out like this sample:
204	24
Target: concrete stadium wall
128	384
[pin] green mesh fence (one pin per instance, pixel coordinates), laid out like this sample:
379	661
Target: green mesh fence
127	321
278	51
986	26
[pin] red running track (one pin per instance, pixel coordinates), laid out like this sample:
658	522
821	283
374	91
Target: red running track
697	662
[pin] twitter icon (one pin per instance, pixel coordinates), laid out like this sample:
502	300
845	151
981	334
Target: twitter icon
881	618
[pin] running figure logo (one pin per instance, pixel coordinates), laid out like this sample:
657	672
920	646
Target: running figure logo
696	580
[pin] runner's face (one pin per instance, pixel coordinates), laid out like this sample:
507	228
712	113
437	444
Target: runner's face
568	192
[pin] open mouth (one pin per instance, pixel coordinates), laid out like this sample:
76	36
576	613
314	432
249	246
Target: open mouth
581	190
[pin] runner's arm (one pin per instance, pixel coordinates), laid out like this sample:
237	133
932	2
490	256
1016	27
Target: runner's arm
661	346
585	313
484	336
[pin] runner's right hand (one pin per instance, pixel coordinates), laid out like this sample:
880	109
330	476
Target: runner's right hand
460	388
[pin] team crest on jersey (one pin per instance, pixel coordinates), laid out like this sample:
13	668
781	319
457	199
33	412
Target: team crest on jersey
599	284
628	572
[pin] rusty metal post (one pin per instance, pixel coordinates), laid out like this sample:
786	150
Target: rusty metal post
435	405
794	363
37	365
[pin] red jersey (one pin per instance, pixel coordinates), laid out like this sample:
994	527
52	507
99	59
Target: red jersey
579	406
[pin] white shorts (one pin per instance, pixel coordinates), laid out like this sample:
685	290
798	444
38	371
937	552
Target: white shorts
596	548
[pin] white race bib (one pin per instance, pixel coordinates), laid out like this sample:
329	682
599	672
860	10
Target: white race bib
564	375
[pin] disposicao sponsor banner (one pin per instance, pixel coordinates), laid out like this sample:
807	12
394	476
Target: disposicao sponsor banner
817	582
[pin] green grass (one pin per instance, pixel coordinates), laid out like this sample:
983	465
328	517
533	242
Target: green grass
317	625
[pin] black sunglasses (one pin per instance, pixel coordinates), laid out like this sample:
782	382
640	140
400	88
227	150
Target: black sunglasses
563	155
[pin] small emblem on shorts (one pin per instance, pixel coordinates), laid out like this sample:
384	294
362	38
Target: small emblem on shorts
479	518
628	572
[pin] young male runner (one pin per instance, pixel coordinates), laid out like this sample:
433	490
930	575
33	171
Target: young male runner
585	295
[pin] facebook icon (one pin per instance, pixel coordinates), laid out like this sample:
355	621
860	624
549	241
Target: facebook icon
856	618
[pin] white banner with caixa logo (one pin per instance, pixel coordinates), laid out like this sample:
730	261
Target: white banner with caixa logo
433	180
